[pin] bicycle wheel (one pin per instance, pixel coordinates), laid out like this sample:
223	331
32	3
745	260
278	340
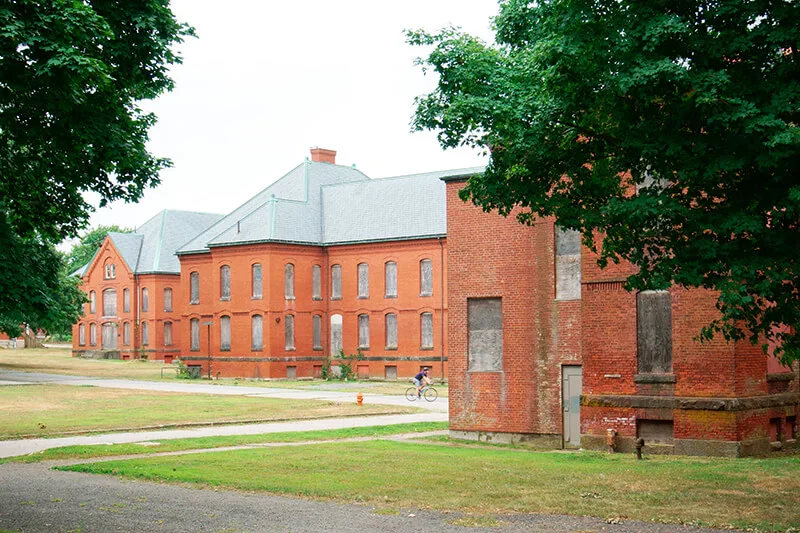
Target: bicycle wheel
431	394
411	394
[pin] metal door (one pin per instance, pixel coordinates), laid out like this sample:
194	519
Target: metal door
571	401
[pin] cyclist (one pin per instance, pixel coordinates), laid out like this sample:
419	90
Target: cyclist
422	380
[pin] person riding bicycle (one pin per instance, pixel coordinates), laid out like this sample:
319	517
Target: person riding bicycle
422	380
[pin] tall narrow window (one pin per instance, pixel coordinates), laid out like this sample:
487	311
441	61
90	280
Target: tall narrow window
194	288
316	332
126	300
485	324
391	331
288	281
426	331
225	282
109	302
391	279
225	333
93	334
168	300
257	333
316	282
288	324
108	336
110	271
336	333
92	302
654	332
167	333
145	334
126	333
363	280
195	334
145	300
363	331
257	283
81	334
568	264
336	282
426	277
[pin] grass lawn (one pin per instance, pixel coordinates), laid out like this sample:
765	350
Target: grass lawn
48	410
111	450
760	493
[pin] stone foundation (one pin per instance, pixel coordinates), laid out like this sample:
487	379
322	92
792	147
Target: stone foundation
546	441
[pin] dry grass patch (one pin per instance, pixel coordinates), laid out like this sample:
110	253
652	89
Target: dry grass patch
60	361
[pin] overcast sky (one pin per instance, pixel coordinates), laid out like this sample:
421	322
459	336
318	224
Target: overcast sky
266	81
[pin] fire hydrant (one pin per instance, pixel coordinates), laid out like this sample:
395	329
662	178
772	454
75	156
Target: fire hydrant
359	398
639	446
611	437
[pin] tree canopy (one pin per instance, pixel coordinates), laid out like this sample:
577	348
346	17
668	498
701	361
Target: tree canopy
671	128
72	75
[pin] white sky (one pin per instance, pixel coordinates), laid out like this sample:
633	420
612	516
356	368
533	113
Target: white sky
266	81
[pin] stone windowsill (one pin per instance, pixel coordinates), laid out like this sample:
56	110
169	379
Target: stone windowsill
362	297
336	297
426	348
425	294
654	378
484	371
317	298
390	296
225	299
391	348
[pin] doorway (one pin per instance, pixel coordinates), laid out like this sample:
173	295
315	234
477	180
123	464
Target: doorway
572	379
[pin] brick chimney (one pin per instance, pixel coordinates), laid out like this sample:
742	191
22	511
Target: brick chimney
321	155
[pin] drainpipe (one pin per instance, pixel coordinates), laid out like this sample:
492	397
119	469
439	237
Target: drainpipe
441	299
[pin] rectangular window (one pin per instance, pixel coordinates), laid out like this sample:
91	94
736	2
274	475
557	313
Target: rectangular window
288	324
109	302
145	300
363	332
426	277
426	331
391	331
126	301
288	281
81	335
93	334
167	333
126	333
168	300
225	283
145	334
195	335
257	333
225	334
654	332
391	279
568	264
485	323
363	280
316	332
316	282
336	282
194	288
257	283
337	339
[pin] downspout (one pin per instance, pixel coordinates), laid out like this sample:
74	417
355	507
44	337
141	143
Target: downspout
441	299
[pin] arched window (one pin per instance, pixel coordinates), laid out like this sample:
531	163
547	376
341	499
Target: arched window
257	333
426	330
391	279
288	325
336	333
316	332
225	282
81	334
167	333
92	302
109	302
93	334
316	282
110	271
288	281
336	282
194	288
145	300
426	277
168	300
225	333
126	300
257	282
363	280
194	325
145	334
126	333
391	331
363	331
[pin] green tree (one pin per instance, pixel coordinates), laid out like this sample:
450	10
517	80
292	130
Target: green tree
72	75
671	128
83	252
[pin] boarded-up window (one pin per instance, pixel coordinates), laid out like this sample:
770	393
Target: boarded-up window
92	302
288	325
391	331
126	333
336	333
225	283
167	333
257	333
654	331
145	334
93	334
363	280
257	283
81	334
426	277
391	279
225	333
655	431
145	300
194	288
316	282
363	331
126	301
426	330
195	334
485	323
109	302
109	336
288	281
168	300
336	282
316	332
568	264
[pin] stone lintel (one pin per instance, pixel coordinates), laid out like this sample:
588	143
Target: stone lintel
689	403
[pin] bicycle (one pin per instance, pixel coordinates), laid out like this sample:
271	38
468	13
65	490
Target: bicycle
427	392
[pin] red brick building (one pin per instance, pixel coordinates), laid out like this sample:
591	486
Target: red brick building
544	346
